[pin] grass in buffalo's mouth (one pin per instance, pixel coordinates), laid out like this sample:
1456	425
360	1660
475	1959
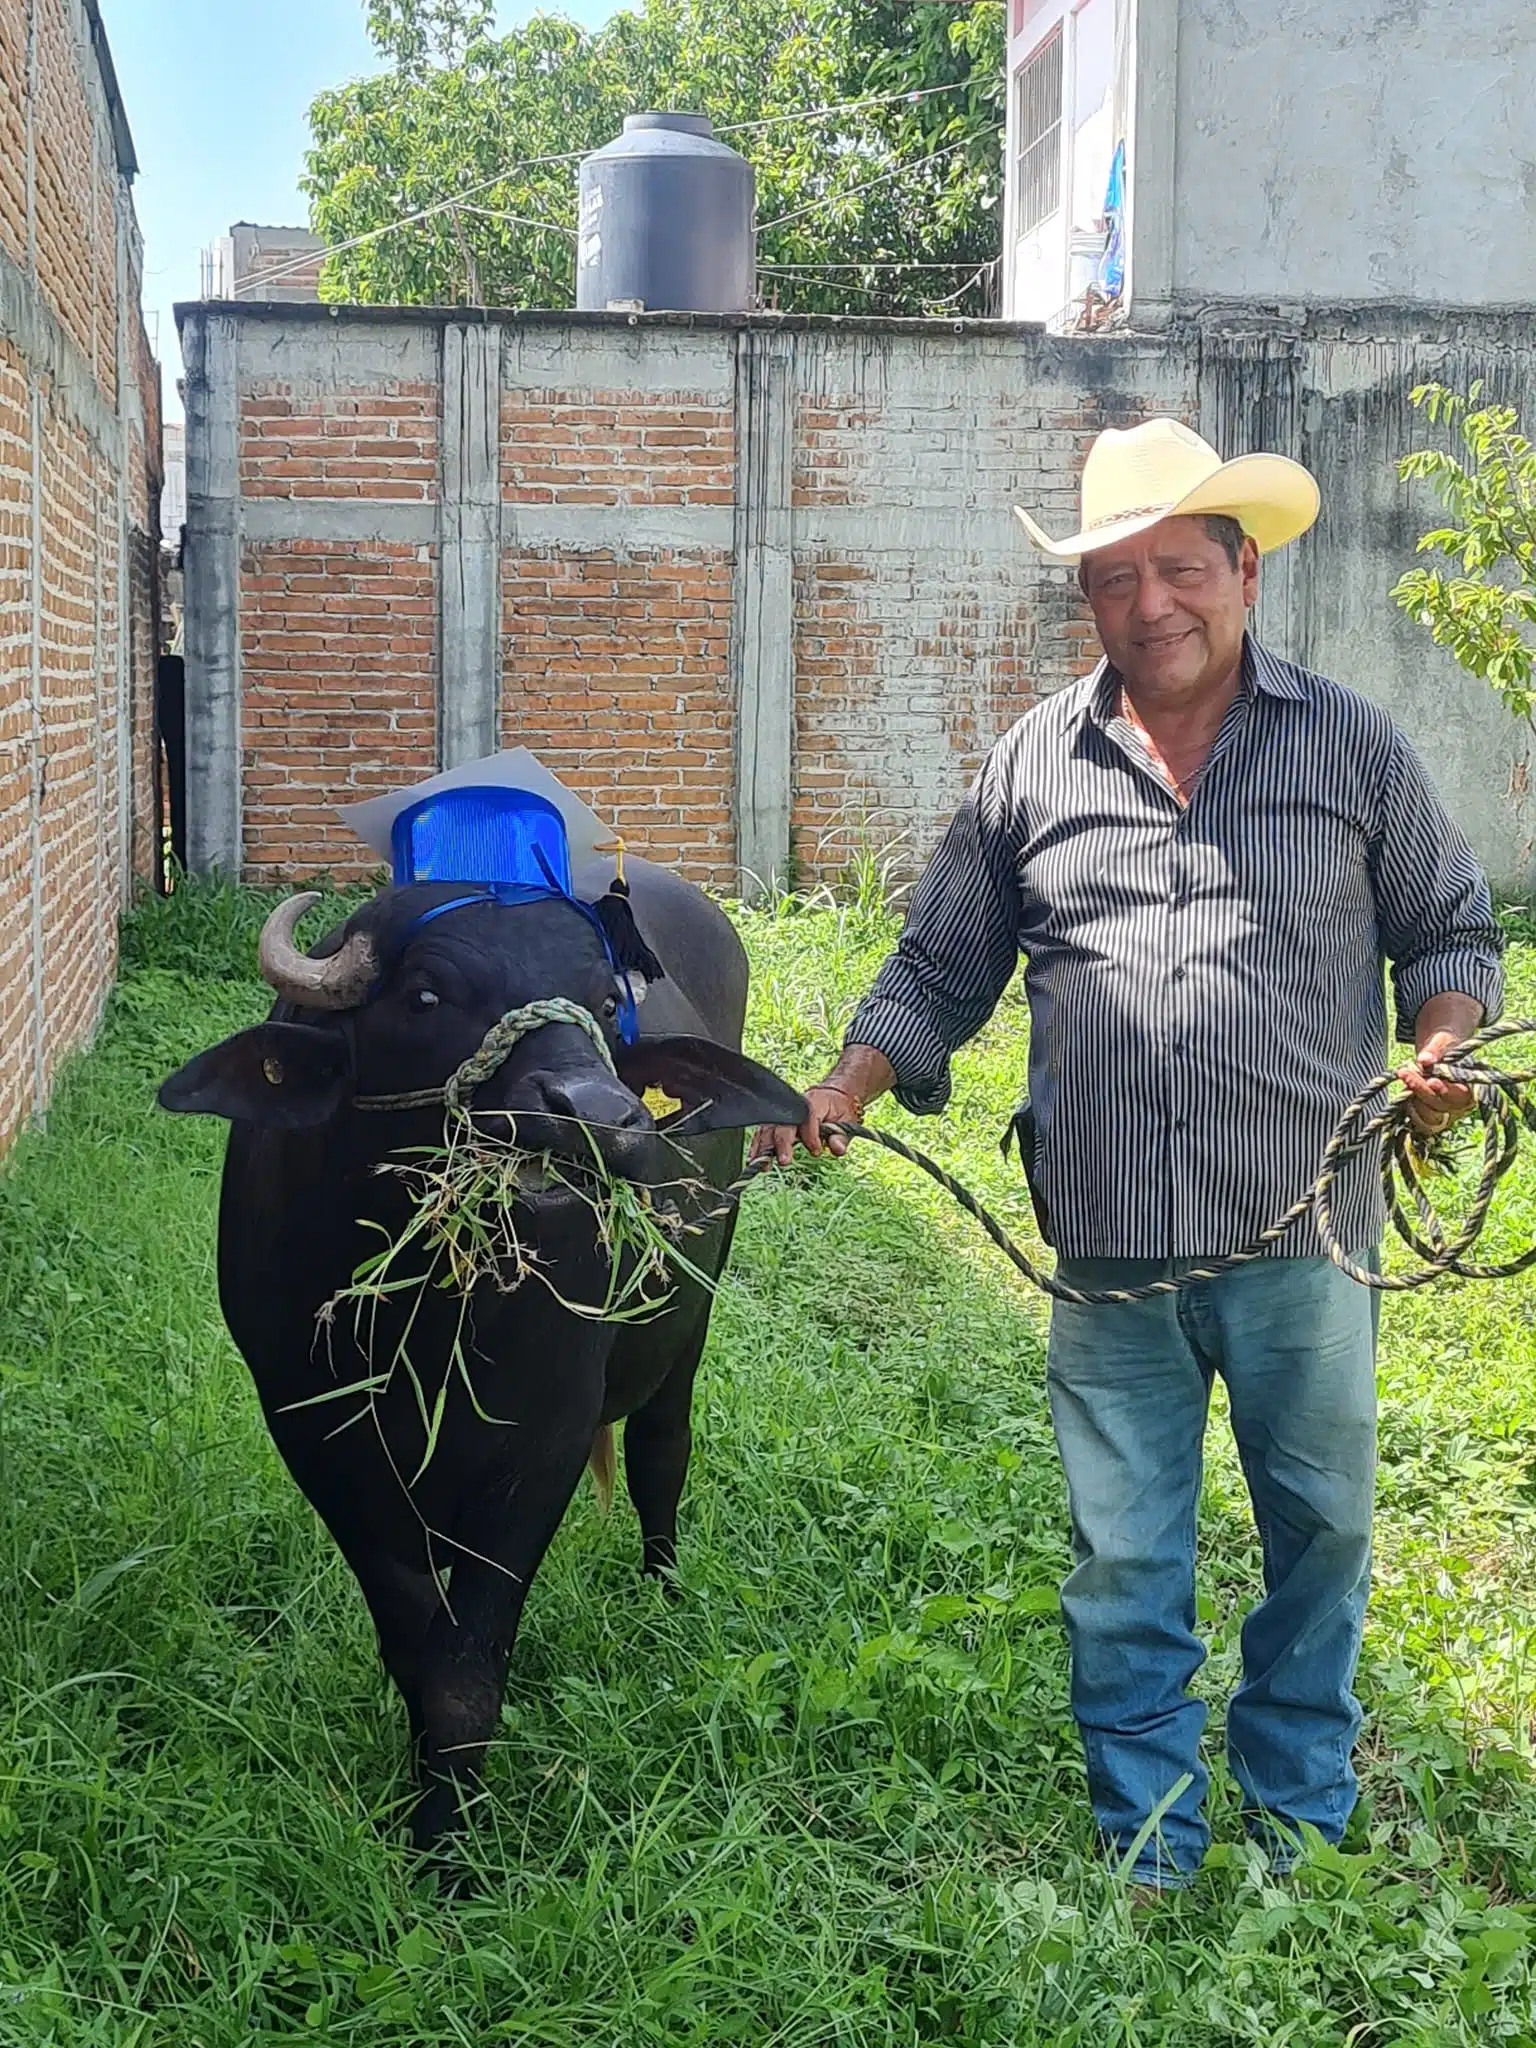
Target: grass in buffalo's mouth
832	1798
472	1223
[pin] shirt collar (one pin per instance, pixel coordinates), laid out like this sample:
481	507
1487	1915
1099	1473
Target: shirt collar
1262	672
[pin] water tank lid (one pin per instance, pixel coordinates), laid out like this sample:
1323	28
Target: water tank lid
666	135
681	124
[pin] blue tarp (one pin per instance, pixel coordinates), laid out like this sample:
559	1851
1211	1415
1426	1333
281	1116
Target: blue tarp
1112	262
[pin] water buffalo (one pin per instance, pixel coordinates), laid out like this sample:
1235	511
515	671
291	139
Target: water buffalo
390	1003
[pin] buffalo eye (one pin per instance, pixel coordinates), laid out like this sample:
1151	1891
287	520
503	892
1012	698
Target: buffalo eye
611	1008
424	999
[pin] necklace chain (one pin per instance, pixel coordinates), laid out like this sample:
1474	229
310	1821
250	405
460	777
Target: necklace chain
1185	789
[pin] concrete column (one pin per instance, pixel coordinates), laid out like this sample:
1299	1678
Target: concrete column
37	748
763	618
1150	219
37	731
212	581
469	609
1250	403
127	405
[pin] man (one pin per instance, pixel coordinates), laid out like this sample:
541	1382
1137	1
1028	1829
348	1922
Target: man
1203	853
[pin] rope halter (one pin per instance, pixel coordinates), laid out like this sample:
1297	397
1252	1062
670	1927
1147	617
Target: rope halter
494	1050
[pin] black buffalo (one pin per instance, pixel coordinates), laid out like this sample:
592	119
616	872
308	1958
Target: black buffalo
386	1005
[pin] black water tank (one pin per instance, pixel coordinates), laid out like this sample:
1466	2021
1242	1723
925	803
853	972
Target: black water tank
666	221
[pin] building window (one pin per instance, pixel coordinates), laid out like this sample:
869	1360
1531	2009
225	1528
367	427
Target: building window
1037	124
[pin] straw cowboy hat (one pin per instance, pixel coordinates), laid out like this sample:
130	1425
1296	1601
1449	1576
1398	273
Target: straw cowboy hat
1163	470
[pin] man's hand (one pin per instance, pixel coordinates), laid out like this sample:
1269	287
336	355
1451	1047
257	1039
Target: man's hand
859	1077
1442	1024
828	1106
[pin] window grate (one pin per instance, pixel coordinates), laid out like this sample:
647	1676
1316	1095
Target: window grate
1037	124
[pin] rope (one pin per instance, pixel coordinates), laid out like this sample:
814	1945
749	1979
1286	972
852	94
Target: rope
1502	1102
494	1048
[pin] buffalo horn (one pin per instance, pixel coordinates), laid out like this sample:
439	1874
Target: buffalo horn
339	983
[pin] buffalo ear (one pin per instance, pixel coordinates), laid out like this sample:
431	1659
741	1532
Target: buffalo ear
719	1090
280	1077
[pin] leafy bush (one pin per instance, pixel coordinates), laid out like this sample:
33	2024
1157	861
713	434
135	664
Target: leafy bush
1484	615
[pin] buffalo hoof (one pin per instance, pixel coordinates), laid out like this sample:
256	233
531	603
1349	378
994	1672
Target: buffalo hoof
660	1564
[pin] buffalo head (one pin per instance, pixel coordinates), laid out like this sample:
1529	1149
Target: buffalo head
394	1001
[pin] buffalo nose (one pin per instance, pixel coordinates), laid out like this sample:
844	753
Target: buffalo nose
596	1101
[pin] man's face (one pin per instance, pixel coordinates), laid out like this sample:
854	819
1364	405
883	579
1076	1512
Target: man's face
1170	608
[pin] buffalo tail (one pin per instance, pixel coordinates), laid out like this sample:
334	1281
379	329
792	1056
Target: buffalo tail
603	1464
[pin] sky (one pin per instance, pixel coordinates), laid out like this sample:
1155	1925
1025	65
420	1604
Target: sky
217	97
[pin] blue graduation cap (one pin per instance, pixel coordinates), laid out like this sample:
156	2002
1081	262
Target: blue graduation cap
510	846
504	839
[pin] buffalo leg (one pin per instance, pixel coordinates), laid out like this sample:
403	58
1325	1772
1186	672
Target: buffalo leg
403	1600
658	1440
469	1643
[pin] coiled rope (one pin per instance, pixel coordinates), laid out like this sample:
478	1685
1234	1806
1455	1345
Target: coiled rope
1503	1104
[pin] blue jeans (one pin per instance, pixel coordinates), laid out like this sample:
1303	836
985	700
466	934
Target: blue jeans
1295	1341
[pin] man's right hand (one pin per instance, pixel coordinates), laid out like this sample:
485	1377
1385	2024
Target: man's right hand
829	1105
860	1077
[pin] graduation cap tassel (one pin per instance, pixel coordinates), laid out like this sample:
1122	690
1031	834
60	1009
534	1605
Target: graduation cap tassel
628	951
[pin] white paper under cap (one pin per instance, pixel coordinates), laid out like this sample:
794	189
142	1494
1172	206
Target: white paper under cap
373	820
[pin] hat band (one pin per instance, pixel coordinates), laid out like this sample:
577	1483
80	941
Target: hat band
1129	512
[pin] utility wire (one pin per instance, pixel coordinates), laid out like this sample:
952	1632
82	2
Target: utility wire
887	99
575	156
521	220
569	156
960	263
970	282
885	178
870	291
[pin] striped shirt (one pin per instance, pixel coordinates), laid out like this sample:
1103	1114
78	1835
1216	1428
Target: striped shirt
1205	982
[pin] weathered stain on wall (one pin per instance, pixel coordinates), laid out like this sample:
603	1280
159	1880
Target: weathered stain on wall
79	524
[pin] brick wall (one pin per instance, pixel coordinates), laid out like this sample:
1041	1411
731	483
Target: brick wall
924	625
615	668
79	480
338	646
338	641
615	675
553	520
754	587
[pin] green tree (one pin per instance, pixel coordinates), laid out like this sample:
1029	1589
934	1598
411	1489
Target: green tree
1487	613
888	208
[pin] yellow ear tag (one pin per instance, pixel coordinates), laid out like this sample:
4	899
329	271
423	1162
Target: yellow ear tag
660	1103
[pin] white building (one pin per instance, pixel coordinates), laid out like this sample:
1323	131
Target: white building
1372	155
253	262
1068	106
173	491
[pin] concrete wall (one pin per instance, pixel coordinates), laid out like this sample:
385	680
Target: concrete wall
79	482
752	585
1380	151
1336	397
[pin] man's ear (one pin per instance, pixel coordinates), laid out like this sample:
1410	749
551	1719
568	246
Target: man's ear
717	1089
280	1077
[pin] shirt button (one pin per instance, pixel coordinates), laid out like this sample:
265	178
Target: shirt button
1179	973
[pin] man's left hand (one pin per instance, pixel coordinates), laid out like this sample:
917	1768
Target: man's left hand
1438	1104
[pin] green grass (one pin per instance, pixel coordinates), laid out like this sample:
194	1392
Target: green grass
834	1795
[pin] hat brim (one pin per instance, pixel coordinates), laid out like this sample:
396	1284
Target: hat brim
1273	499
